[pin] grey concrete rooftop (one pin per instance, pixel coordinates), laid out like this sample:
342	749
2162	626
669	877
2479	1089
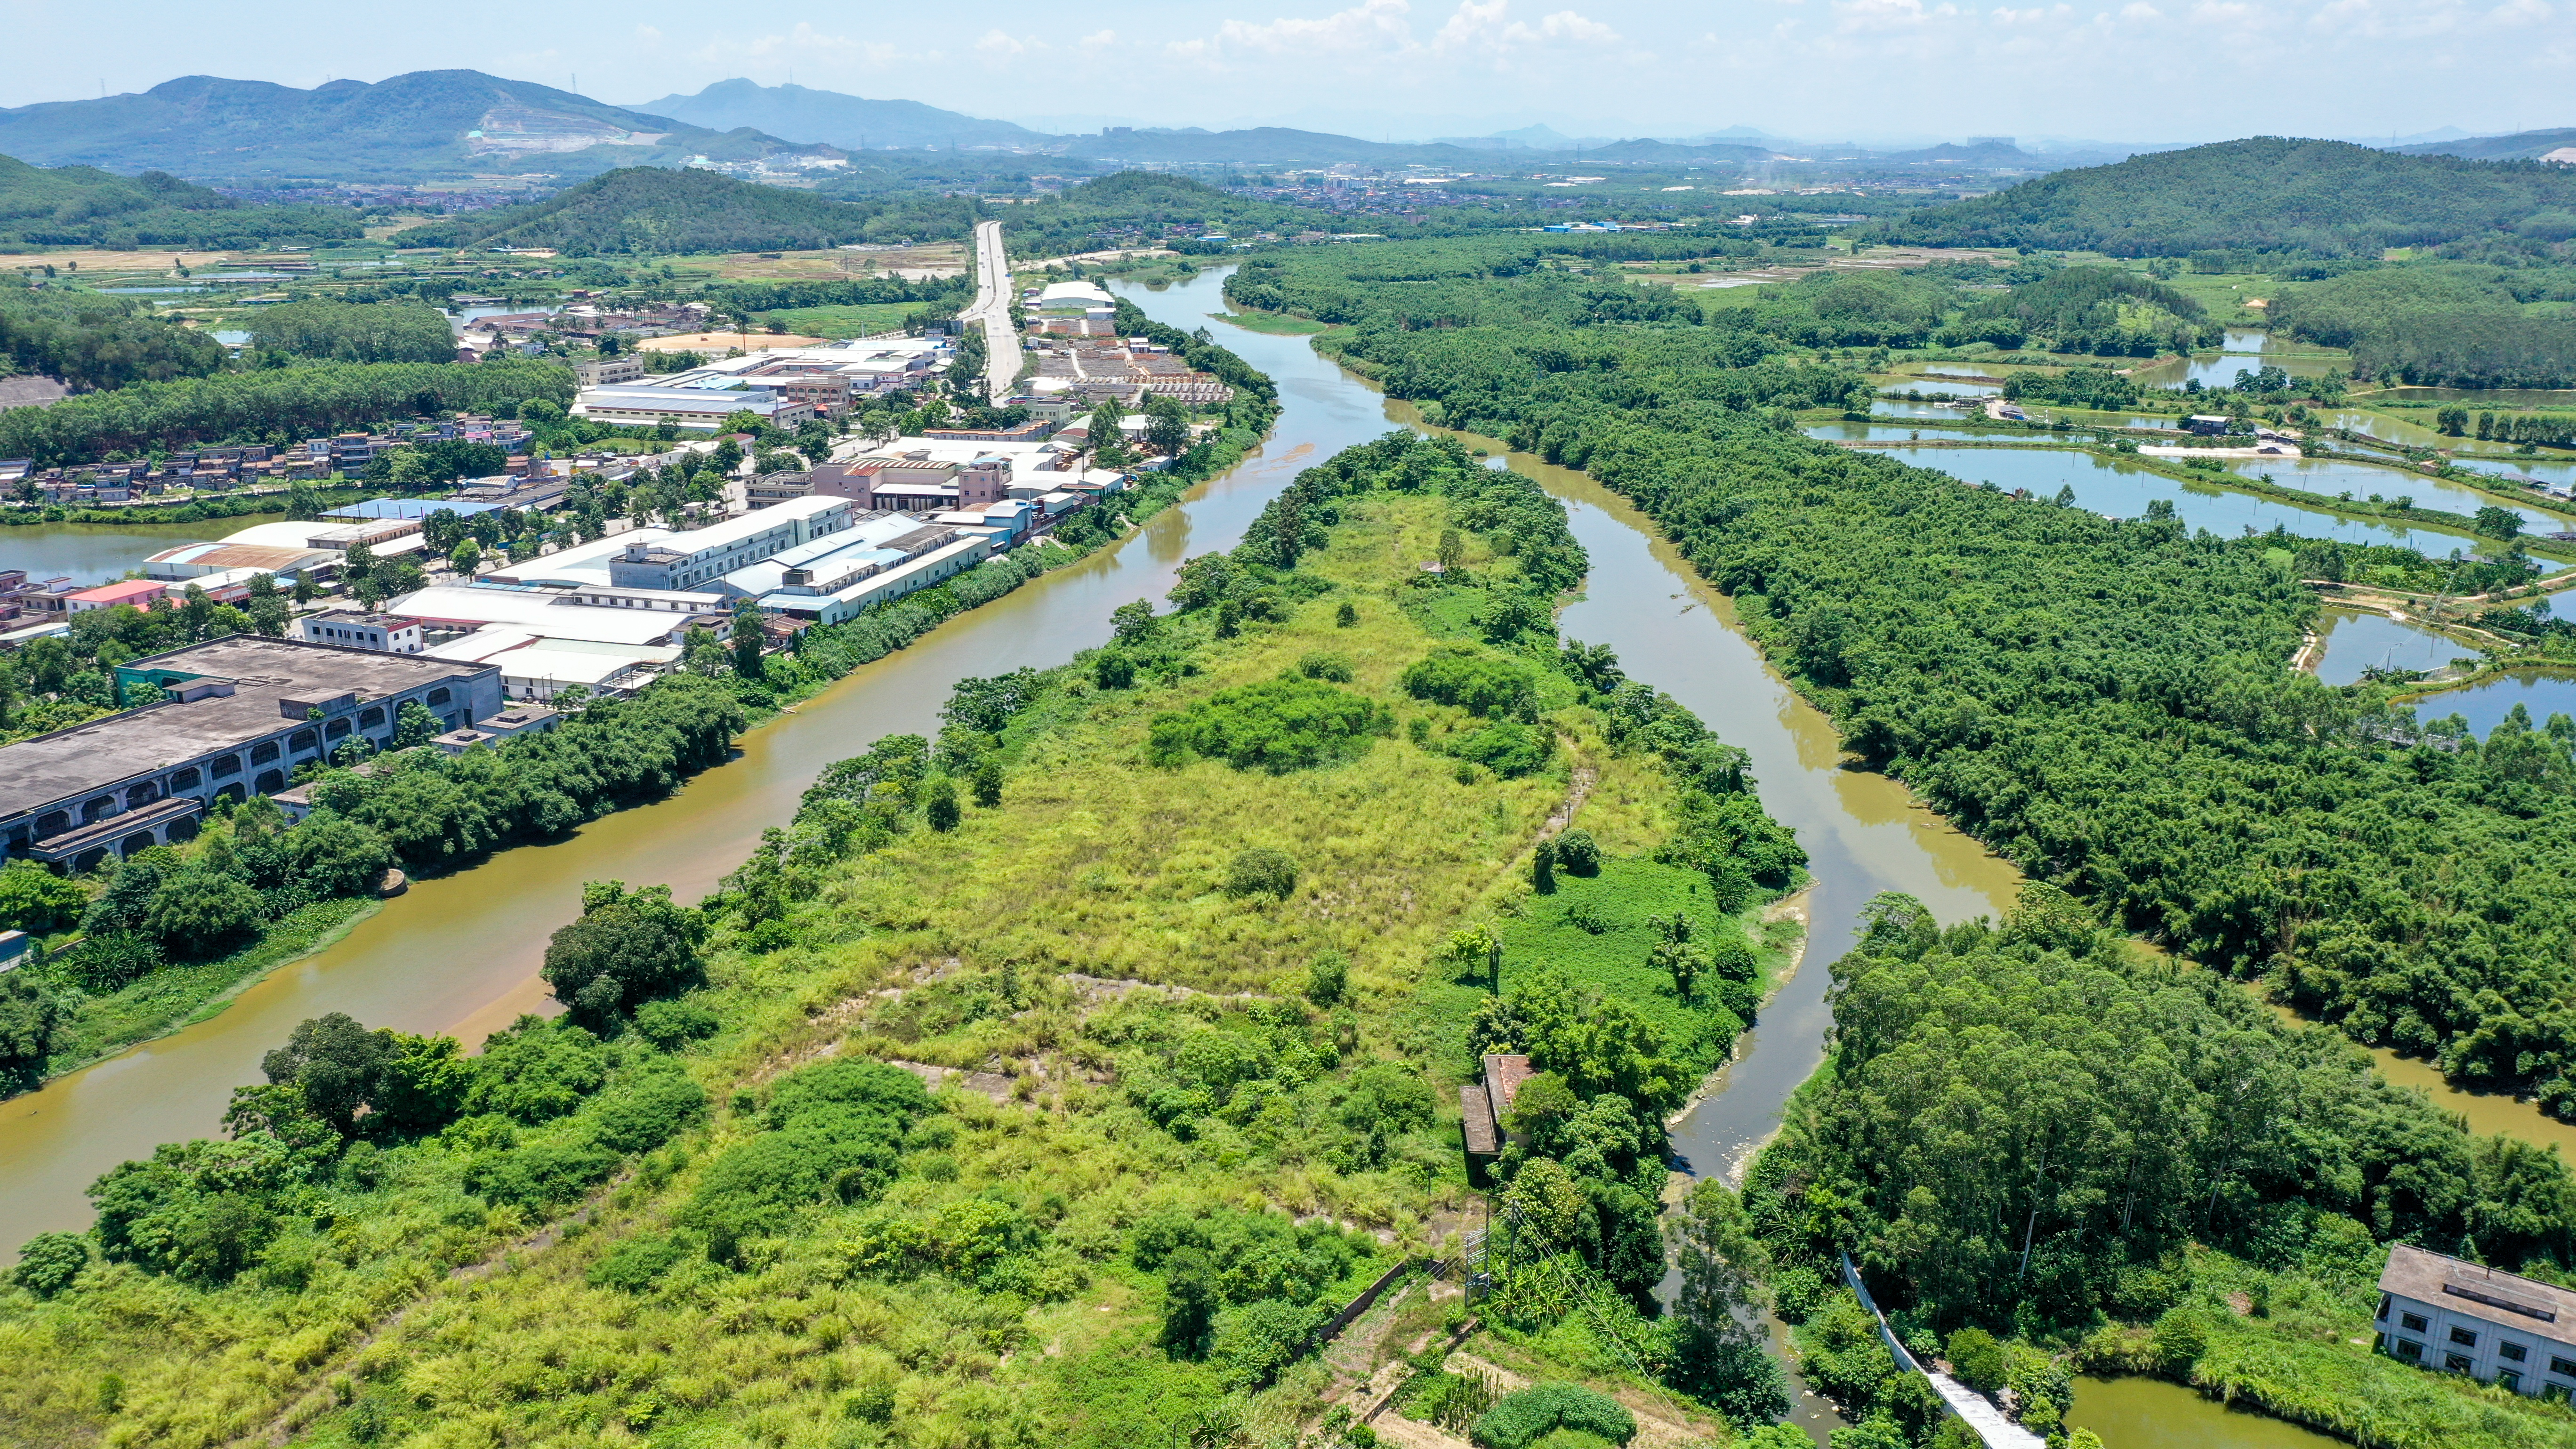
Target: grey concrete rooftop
87	757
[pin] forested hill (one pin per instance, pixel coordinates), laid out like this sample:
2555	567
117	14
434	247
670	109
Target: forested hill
1152	200
84	206
798	113
649	209
430	122
2267	193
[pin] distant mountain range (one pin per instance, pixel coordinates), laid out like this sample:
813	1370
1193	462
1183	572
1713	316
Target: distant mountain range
419	125
448	123
834	119
2520	146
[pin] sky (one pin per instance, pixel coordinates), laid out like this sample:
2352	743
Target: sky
1867	70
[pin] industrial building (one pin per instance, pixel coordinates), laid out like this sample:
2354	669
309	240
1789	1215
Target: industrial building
236	717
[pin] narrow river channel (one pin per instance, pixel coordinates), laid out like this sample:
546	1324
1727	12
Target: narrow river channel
460	954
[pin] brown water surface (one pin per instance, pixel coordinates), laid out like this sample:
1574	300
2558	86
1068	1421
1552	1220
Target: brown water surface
2140	1413
93	553
460	953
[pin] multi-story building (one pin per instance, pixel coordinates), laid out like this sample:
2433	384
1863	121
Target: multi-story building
234	717
2440	1312
688	560
387	633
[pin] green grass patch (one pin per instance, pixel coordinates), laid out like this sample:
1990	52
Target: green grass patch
1274	324
176	995
1596	930
853	321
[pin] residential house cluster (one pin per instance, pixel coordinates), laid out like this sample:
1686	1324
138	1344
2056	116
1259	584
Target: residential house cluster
248	467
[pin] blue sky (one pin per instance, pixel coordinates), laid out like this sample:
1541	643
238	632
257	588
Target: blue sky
1824	69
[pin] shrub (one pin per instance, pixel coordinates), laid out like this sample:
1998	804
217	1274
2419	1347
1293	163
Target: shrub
1262	871
942	810
48	1262
1258	1340
337	856
670	1025
1521	1420
1279	725
638	1263
1335	667
1506	747
623	951
1477	682
29	1018
1577	853
1328	976
1113	669
645	1115
1977	1359
541	1175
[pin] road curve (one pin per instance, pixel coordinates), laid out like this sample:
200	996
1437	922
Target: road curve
993	309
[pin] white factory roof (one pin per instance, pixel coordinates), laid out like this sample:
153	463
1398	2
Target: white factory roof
537	613
301	535
1062	292
582	565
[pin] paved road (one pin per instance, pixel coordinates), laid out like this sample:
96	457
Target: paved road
993	309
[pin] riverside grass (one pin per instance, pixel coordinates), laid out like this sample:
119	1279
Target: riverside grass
422	1318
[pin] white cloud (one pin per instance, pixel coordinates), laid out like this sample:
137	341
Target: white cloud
1369	25
1852	16
1383	30
1000	46
1099	40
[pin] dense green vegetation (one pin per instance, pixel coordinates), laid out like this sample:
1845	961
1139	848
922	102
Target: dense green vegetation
84	206
2442	324
2266	194
272	405
1218	1116
2105	703
2035	1127
2100	310
646	209
91	341
354	332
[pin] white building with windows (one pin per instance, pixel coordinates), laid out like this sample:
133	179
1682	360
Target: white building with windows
2445	1313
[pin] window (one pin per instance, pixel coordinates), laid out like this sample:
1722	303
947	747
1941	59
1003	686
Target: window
2511	1351
2409	1350
2463	1337
371	717
437	697
2508	1379
186	779
228	765
2457	1363
263	752
2412	1322
2565	1368
301	740
335	728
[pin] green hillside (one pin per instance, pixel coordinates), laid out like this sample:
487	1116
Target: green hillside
650	209
84	206
2267	193
424	123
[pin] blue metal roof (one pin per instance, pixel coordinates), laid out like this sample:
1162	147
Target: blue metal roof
409	508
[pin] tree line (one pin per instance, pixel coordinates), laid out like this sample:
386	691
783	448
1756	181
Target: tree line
276	405
2106	703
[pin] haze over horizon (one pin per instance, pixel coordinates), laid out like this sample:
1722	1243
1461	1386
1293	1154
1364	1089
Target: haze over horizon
2137	70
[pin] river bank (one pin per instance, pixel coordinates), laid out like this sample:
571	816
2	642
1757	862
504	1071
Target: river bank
460	953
